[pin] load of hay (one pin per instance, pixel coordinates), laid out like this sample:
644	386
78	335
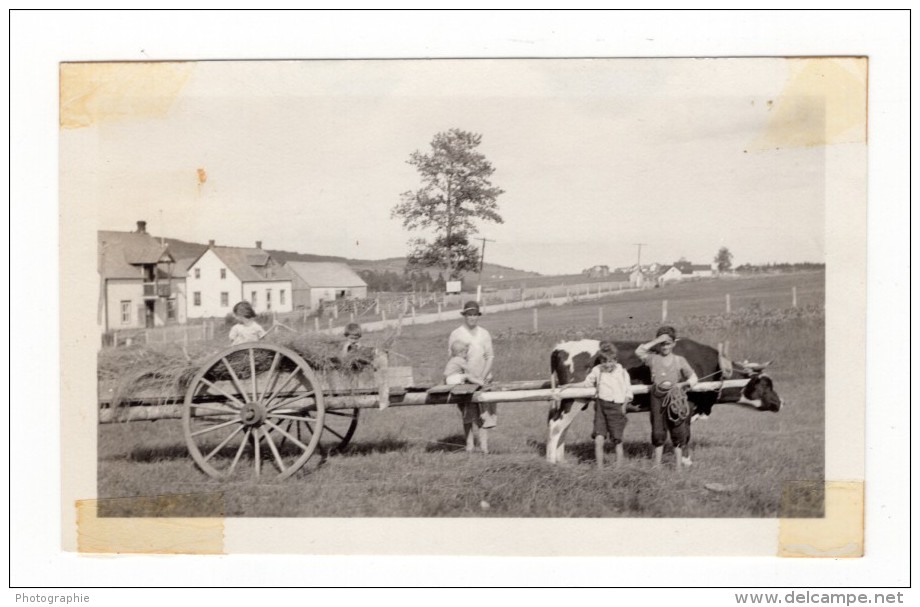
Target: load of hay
167	369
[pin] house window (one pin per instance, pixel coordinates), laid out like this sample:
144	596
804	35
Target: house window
253	302
268	299
224	299
197	272
223	273
196	298
281	297
126	312
171	309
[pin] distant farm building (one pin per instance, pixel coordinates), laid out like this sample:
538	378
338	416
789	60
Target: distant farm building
141	284
318	282
684	270
223	276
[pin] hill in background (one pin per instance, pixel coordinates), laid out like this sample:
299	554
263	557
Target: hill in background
182	249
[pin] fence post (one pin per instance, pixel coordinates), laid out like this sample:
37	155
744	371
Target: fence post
664	310
600	316
335	310
316	323
413	315
795	303
377	306
305	316
185	336
439	311
383	315
115	338
728	303
330	323
351	316
536	323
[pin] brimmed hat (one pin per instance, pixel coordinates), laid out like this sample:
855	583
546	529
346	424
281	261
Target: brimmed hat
666	330
471	308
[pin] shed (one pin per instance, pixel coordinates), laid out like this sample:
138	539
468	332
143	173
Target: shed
316	282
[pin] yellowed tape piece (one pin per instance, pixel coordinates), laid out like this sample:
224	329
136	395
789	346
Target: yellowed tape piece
839	533
824	102
151	525
92	93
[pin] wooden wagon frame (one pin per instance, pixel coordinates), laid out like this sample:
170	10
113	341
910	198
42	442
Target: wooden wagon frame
263	401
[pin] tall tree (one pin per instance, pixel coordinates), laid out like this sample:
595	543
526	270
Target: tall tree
455	194
723	260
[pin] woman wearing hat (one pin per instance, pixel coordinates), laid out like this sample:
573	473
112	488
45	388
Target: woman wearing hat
479	360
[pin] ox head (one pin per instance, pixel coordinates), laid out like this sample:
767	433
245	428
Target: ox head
759	392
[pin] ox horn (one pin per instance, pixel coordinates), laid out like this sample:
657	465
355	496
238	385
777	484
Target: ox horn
756	367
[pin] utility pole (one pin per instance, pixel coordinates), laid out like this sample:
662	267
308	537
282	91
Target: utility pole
482	257
639	246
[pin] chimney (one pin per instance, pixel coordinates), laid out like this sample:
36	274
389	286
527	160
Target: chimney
141	227
258	244
210	244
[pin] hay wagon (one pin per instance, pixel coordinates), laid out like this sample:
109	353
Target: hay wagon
261	406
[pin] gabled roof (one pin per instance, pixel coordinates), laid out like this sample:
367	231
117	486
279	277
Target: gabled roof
251	264
121	254
326	274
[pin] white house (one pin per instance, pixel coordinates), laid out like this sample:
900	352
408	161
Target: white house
670	275
316	282
223	276
140	283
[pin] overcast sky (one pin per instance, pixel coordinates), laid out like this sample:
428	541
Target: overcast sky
594	155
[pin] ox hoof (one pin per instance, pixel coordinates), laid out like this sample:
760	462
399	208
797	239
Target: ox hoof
686	461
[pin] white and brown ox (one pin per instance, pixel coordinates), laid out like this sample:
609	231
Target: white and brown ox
571	361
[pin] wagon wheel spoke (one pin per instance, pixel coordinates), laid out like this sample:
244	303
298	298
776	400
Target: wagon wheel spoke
288	436
239	452
275	453
272	380
222	392
257	464
236	380
224	442
288	401
214	428
268	401
252	374
232	421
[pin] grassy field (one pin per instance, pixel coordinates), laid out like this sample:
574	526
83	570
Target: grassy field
410	462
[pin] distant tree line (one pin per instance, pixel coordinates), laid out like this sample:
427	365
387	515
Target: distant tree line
409	280
766	268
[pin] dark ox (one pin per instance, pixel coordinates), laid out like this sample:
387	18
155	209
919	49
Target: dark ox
571	361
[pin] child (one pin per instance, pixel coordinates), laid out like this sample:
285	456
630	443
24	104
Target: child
246	329
613	395
456	372
352	337
669	372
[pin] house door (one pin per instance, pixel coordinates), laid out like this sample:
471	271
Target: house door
149	314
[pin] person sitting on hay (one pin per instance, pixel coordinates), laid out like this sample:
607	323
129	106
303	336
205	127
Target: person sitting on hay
247	329
669	409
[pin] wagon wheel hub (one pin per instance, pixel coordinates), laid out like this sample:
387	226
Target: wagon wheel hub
253	414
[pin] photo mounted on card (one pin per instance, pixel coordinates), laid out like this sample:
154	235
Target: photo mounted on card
364	307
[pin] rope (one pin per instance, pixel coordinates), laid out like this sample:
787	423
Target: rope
676	403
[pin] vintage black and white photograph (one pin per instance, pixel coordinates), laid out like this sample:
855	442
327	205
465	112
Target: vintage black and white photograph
531	288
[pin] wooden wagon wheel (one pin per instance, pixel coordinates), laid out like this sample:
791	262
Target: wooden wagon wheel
253	405
339	428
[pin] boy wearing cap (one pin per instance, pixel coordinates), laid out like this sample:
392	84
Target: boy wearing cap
479	364
669	371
